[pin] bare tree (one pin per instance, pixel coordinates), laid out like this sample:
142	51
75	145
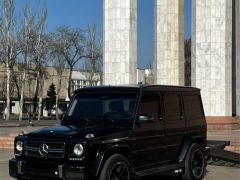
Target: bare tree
28	25
40	53
59	63
32	48
93	63
71	46
8	44
59	66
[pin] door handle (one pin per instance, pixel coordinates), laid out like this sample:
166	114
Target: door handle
181	117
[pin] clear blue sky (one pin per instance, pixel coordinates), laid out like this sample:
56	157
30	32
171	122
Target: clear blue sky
79	13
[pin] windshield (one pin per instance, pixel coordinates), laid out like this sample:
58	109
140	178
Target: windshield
98	107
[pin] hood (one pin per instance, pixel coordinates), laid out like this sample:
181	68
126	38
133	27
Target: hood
67	133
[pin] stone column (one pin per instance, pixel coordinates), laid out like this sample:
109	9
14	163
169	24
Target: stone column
238	54
169	42
212	54
120	42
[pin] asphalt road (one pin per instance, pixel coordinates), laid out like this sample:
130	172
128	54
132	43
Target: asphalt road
214	172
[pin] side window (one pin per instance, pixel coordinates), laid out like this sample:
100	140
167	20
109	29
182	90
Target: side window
172	107
193	107
149	104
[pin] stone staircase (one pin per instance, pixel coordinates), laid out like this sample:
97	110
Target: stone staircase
218	123
7	142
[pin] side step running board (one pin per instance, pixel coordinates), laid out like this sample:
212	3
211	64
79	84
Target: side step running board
160	169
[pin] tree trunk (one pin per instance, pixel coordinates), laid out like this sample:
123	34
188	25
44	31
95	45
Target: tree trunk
56	108
57	94
70	82
40	99
22	96
40	108
35	98
8	106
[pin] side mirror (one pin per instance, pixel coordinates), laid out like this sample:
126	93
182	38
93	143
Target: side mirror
145	118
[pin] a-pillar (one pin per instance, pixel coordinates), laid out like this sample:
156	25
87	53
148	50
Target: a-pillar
169	42
120	42
212	54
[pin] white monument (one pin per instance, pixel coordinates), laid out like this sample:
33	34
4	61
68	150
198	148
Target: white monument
211	48
120	42
169	42
212	54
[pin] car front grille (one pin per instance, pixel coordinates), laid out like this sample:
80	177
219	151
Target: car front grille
51	150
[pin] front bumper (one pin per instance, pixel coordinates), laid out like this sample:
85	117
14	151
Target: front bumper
19	169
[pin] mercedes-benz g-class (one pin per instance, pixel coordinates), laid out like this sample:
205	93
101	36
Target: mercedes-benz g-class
116	133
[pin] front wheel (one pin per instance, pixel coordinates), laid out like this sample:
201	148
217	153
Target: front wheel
116	167
194	163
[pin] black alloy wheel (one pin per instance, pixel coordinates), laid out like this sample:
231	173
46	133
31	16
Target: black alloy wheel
116	167
195	163
119	171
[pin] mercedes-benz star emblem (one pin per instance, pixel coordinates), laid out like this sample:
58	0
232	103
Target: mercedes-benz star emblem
43	150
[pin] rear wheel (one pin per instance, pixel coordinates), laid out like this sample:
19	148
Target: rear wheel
194	163
116	167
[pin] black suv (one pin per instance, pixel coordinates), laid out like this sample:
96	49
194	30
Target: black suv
116	133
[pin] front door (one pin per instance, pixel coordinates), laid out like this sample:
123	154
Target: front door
148	147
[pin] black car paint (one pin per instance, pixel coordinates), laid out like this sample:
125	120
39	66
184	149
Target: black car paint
111	139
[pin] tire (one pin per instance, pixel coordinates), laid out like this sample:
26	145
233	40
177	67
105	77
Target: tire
194	163
116	165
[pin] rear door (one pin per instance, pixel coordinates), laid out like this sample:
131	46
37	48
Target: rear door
148	147
174	124
194	114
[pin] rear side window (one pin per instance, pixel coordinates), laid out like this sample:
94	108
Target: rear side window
150	104
193	107
172	107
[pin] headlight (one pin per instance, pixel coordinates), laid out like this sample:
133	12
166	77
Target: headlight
19	146
78	149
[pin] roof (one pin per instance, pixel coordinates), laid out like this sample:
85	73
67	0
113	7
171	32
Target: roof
139	86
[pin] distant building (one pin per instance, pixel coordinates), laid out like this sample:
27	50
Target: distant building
79	80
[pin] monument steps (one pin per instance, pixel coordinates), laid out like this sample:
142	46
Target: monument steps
215	123
7	142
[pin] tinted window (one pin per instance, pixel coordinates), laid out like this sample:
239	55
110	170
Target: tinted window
172	107
192	104
99	107
100	104
149	104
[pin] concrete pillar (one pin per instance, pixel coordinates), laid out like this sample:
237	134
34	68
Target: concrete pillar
169	42
212	54
238	54
120	42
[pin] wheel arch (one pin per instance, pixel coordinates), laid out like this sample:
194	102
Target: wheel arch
103	154
187	144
